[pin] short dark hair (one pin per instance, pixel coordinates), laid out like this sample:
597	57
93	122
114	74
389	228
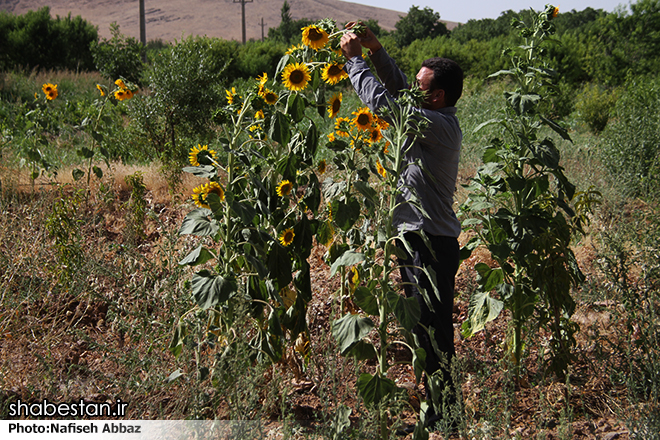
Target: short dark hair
448	76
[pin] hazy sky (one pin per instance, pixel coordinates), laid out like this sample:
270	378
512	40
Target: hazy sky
463	10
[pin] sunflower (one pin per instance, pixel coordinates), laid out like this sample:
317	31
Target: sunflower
215	188
98	86
321	166
270	97
334	105
230	95
259	114
363	118
286	237
341	125
129	93
287	294
555	12
284	188
332	73
381	123
331	137
50	90
296	76
263	79
121	94
200	155
120	84
380	169
375	135
198	196
314	37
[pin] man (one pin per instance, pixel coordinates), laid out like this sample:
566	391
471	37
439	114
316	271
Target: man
429	173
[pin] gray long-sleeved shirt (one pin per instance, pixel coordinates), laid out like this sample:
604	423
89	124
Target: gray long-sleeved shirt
438	149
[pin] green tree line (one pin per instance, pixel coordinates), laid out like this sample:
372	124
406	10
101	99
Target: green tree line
593	45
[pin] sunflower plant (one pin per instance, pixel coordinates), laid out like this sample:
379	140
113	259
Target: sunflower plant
524	210
122	90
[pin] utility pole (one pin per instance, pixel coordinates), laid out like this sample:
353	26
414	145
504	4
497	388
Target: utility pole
262	28
243	2
143	32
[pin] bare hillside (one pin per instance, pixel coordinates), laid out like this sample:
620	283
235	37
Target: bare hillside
173	19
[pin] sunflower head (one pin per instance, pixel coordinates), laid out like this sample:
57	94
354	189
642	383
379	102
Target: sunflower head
259	114
321	166
375	135
98	86
50	90
363	118
314	37
284	188
332	73
201	155
120	83
334	105
121	94
381	170
555	12
263	79
296	76
331	137
201	193
231	94
215	188
270	97
342	126
286	237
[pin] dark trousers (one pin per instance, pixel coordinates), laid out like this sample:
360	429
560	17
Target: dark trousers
445	264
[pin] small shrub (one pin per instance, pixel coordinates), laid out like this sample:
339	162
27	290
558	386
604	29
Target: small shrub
594	106
118	57
631	143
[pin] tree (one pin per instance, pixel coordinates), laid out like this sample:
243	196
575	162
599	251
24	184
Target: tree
417	25
289	30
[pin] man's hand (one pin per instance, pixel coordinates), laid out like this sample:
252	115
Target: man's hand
367	38
350	45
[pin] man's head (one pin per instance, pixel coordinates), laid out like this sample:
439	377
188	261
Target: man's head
443	79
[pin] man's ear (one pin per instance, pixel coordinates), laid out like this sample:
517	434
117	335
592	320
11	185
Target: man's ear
438	98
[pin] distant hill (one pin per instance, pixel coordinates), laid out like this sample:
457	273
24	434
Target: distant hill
172	19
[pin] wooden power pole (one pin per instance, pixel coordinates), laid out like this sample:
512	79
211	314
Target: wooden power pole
262	24
243	2
143	32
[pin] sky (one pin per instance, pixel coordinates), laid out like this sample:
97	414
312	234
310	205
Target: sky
464	10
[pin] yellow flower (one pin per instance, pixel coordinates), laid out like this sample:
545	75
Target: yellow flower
215	188
341	125
334	105
270	97
201	152
129	93
375	135
263	79
363	118
314	37
98	86
286	237
287	294
331	137
121	94
230	95
381	123
321	166
293	49
201	193
259	114
50	90
332	73
296	76
380	169
284	188
555	12
120	84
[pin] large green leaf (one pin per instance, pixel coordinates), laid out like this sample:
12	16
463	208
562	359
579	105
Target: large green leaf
348	258
198	256
349	329
210	290
362	351
295	107
366	300
482	309
279	129
488	278
406	310
197	222
279	265
345	214
373	389
419	363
